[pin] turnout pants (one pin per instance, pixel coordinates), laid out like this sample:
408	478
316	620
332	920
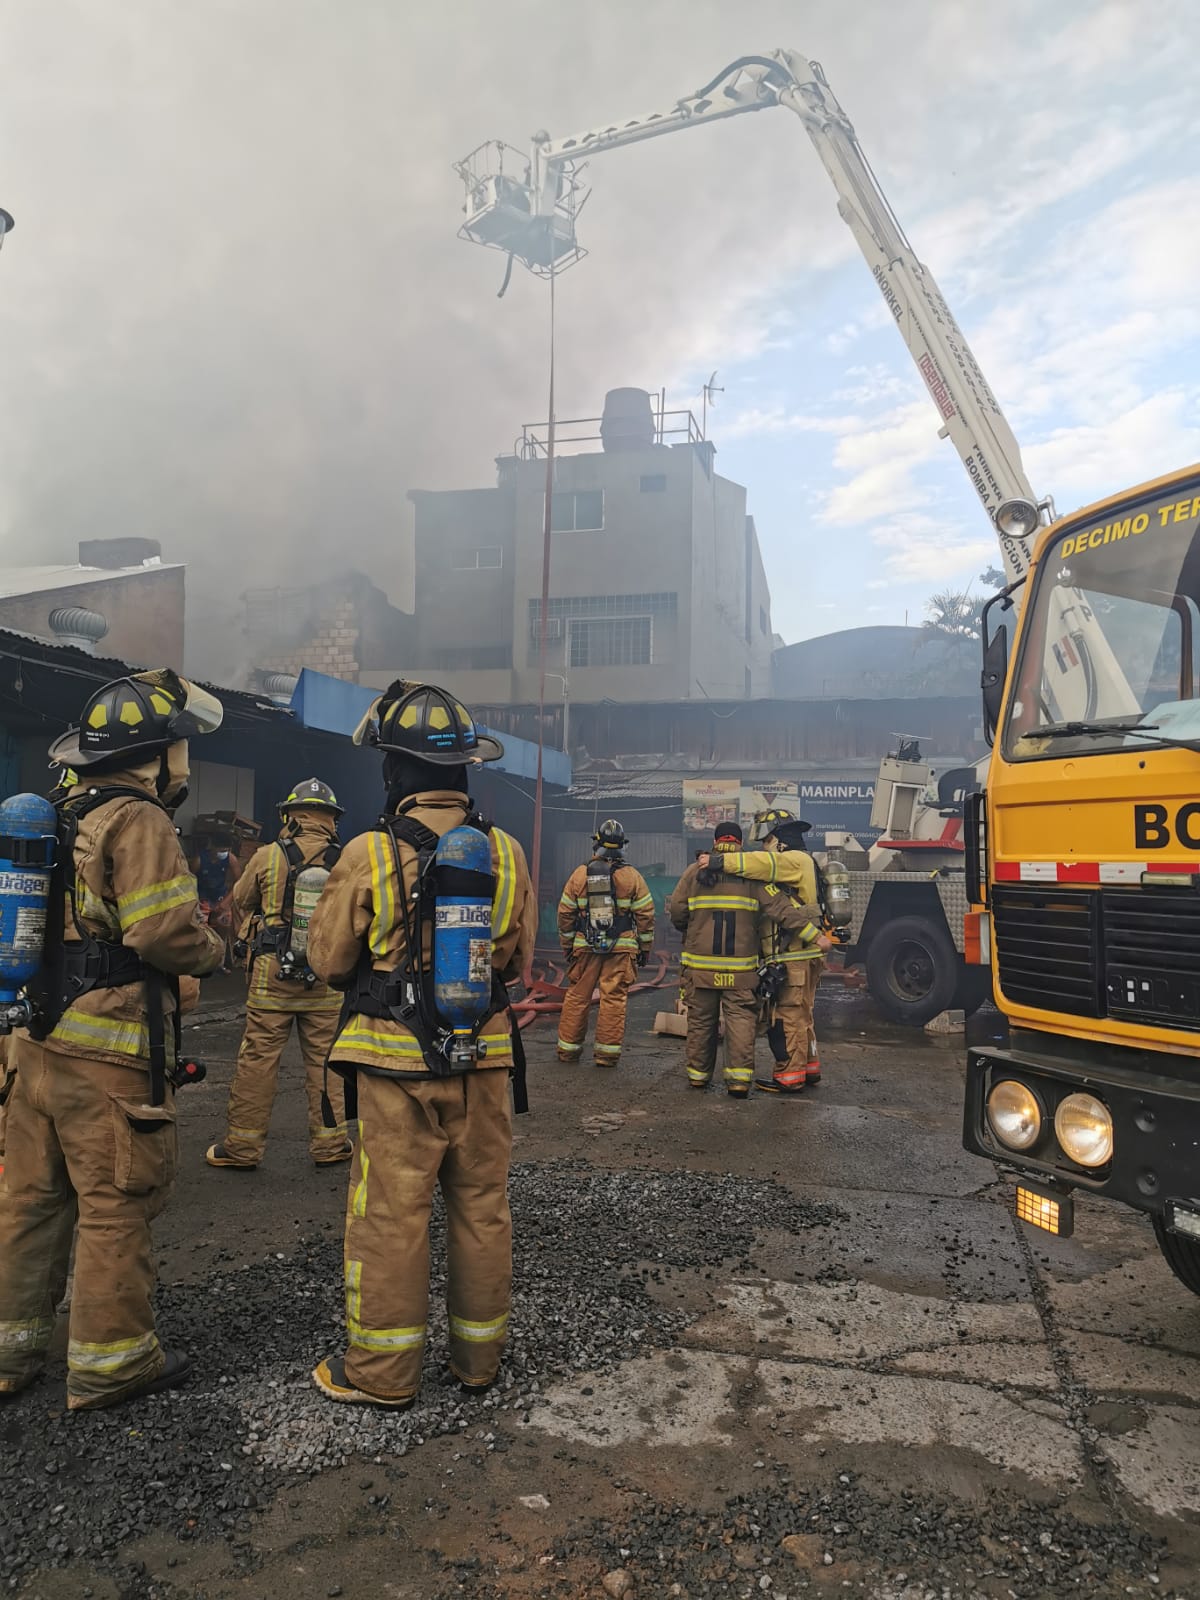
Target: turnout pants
615	974
81	1140
415	1134
252	1093
791	1035
706	1007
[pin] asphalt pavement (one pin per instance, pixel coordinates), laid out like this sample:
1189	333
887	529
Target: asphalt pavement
758	1348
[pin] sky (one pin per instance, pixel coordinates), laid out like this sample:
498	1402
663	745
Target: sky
235	316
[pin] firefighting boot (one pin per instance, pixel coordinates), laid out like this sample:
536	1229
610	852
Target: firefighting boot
217	1156
176	1370
792	1084
812	1073
330	1377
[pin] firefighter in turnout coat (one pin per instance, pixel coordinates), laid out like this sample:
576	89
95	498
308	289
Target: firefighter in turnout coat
91	1127
783	866
606	927
272	903
720	923
418	1127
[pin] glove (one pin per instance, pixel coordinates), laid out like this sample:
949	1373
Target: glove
240	947
708	878
642	957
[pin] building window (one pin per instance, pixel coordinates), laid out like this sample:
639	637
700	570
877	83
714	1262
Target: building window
613	642
654	483
762	619
489	558
577	511
663	604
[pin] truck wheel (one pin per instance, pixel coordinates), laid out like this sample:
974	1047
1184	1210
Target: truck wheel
974	988
912	970
1181	1255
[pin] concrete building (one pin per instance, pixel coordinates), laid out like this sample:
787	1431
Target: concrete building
657	587
130	598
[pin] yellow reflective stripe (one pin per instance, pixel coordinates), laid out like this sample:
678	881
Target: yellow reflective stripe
246	1133
353	1291
797	955
359	1031
720	963
608	1049
272	903
358	1201
644	904
504	897
567	904
738	1074
809	932
565	1044
31	1334
154	899
110	1357
722	902
478	1332
384	1338
383	896
106	1033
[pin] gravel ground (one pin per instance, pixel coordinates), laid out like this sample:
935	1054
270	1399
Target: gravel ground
855	1236
588	1245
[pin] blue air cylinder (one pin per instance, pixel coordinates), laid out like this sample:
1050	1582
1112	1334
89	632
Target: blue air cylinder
462	934
28	844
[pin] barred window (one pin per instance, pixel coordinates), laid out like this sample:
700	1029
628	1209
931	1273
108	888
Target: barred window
611	642
606	605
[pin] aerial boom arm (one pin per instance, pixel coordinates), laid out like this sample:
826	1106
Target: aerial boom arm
531	215
970	412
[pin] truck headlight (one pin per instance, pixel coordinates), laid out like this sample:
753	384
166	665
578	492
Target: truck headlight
1018	518
1084	1128
1014	1114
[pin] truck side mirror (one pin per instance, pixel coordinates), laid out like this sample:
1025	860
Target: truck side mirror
998	620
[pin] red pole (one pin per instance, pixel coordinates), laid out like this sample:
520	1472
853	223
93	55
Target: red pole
536	864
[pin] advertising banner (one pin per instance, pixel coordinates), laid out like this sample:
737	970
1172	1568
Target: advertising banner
707	801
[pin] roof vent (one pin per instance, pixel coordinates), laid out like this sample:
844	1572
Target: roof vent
279	687
75	626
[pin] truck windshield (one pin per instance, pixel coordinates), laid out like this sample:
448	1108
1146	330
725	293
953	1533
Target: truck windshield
1108	655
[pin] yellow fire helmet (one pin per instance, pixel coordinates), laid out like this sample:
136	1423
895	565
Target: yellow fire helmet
137	715
422	720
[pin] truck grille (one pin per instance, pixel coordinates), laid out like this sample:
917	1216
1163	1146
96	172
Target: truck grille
1152	955
1132	954
1046	948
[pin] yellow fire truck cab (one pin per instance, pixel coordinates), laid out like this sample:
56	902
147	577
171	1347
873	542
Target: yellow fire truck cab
1084	869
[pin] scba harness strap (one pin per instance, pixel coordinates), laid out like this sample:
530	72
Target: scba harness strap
71	969
603	921
405	995
275	939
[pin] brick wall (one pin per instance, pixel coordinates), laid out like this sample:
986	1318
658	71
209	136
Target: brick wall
333	649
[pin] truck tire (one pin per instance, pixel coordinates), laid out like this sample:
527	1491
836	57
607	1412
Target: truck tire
1181	1255
912	970
974	988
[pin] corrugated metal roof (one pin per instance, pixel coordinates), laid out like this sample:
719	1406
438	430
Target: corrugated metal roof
16	581
627	786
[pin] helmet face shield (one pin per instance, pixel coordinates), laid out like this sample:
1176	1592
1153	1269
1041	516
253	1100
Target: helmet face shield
367	732
137	715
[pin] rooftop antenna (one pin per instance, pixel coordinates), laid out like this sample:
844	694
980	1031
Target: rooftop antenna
709	393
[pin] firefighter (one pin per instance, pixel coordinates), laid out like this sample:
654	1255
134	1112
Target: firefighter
92	1109
783	865
720	926
418	1126
273	901
606	926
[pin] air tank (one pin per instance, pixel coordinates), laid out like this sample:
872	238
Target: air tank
28	844
628	420
462	936
305	894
